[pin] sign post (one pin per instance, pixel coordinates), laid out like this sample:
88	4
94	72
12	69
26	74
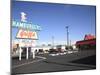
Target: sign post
20	50
27	52
33	51
20	53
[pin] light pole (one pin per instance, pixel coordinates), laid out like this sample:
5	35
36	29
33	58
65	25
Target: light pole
67	36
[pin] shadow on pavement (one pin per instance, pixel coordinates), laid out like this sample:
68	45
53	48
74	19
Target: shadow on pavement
90	60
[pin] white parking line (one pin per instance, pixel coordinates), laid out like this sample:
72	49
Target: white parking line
42	58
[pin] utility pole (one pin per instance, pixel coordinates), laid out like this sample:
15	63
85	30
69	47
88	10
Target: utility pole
70	42
67	36
52	41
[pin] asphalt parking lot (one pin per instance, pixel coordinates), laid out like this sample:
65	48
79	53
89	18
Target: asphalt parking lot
61	62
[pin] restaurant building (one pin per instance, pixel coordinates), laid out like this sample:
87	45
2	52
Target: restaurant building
89	42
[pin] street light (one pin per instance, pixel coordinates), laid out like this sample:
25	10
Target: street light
67	36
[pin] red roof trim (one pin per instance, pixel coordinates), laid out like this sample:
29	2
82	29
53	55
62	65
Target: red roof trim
84	42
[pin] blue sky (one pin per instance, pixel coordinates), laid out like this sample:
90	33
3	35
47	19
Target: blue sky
53	18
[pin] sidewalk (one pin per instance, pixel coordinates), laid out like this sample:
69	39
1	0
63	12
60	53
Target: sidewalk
17	63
